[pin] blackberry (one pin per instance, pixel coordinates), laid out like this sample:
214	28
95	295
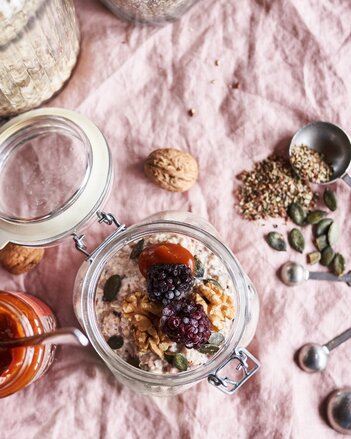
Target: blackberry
168	282
186	322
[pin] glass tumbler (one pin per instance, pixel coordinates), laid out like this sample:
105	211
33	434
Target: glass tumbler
39	45
149	11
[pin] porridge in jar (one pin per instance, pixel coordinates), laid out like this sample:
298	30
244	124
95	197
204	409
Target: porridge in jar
165	303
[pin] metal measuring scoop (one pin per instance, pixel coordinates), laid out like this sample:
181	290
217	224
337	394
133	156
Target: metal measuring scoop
312	357
292	274
71	336
329	140
339	410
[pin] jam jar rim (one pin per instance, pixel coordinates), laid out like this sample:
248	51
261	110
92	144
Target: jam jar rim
92	275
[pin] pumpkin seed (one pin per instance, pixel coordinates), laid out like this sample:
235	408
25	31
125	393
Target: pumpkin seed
338	265
180	362
321	242
315	216
216	338
213	281
327	256
296	240
313	257
297	213
112	287
115	342
333	233
137	249
134	361
322	226
208	349
276	241
330	199
199	267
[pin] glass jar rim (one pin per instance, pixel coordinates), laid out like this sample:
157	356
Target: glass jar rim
134	233
80	207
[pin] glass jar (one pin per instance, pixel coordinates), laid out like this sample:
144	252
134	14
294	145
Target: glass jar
149	11
68	185
39	45
241	333
23	315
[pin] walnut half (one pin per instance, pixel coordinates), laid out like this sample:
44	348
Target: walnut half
219	305
144	317
171	169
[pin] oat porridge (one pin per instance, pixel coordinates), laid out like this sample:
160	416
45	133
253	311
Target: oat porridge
165	304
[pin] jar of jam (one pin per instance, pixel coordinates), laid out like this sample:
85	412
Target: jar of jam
68	162
23	315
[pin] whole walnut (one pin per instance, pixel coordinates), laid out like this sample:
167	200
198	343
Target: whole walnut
171	169
17	259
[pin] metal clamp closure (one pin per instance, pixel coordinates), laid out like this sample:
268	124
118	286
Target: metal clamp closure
104	217
245	371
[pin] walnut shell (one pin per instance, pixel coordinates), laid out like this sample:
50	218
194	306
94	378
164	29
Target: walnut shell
17	259
171	169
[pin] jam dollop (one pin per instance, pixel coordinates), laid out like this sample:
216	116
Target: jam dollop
165	253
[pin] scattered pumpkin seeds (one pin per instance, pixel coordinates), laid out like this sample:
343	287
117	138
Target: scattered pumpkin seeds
208	349
327	256
216	338
180	362
313	257
330	199
115	342
315	216
321	242
137	249
296	240
322	226
296	213
333	233
276	241
112	287
338	265
199	267
213	281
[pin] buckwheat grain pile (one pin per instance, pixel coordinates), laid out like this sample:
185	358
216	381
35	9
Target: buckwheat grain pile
269	188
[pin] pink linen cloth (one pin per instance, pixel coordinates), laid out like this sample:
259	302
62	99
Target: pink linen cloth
291	63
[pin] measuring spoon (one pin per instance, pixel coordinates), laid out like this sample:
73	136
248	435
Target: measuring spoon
329	140
312	357
292	274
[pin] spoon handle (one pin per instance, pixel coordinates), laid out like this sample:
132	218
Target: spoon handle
317	275
347	179
71	336
338	340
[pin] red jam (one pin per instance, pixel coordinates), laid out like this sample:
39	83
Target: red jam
9	358
20	366
165	253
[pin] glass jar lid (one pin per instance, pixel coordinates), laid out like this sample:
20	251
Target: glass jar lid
55	173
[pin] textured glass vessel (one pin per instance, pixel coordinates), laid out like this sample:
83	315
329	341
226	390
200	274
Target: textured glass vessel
149	11
39	45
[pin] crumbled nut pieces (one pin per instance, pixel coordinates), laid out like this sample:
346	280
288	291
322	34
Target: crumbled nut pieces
191	112
18	260
270	188
144	316
217	62
310	164
220	306
171	169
